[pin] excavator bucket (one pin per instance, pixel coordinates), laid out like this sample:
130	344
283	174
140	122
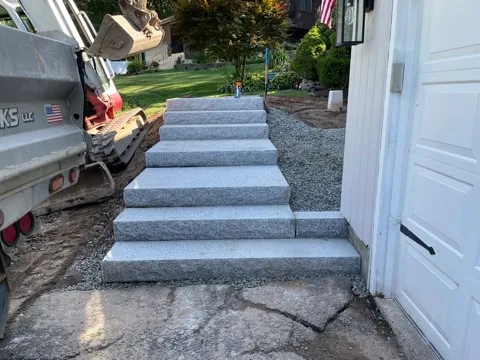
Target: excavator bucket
94	184
118	39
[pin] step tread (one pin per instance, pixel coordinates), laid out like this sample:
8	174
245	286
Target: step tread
195	146
201	213
209	126
214	131
223	103
209	177
223	117
230	249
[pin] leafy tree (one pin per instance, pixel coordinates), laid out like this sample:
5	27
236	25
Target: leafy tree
310	48
232	30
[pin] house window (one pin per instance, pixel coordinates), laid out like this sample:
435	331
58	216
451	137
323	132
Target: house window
306	5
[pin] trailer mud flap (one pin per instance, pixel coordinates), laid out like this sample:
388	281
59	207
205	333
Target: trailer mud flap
94	184
4	295
118	39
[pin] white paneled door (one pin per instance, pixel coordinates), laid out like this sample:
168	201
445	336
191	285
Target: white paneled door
438	282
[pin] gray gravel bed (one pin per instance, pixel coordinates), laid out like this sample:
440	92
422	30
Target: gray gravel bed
311	160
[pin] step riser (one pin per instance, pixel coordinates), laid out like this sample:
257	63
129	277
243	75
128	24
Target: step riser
215	104
179	197
214	117
205	230
324	224
212	158
226	269
192	132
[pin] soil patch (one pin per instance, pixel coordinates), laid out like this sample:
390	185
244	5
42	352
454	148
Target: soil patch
312	111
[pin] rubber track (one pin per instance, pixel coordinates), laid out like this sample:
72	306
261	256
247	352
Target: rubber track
104	147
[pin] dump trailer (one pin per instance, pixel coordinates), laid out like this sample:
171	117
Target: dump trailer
42	143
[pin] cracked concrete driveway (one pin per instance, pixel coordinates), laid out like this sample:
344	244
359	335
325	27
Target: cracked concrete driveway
305	319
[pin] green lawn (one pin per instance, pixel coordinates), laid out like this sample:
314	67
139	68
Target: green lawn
151	90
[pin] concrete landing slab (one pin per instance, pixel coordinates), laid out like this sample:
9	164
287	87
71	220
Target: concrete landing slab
187	153
320	300
411	341
232	259
198	322
214	132
208	186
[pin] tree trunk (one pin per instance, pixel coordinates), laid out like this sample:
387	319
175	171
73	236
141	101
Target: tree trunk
237	63
244	63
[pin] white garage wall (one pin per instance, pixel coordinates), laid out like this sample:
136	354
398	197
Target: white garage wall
364	121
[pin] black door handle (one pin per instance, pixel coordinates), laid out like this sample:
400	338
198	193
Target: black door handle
405	231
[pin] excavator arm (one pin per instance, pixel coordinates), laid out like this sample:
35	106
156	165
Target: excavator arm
122	36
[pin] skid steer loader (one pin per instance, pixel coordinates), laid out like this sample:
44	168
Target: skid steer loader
58	131
111	139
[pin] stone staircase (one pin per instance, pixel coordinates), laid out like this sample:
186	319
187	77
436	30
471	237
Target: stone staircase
212	203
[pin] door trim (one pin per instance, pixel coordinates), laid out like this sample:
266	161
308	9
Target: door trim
393	159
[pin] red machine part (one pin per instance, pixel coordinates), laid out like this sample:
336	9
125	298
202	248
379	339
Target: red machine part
102	110
117	101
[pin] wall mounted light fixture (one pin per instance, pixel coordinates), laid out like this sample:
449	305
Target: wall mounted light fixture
351	21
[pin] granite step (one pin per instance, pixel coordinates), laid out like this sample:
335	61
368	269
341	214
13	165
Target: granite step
211	153
214	132
228	259
208	186
320	224
204	223
216	104
215	117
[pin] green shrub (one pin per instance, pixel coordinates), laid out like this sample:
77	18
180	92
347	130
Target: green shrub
279	58
202	57
333	71
289	46
285	80
135	67
255	82
309	49
255	60
333	39
339	52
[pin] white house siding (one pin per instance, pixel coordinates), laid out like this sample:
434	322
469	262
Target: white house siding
158	53
364	121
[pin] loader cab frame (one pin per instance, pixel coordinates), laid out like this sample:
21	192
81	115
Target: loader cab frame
12	15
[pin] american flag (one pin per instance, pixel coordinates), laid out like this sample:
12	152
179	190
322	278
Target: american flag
326	12
53	112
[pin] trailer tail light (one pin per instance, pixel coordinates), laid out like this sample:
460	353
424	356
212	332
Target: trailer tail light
26	224
56	183
10	235
2	218
73	176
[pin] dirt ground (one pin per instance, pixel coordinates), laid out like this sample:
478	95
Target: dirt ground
41	271
312	111
40	262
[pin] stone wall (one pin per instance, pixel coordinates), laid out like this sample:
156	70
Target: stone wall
200	66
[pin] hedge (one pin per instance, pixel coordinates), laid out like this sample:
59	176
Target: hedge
333	72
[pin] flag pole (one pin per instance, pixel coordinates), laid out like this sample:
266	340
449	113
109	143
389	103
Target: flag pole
266	70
